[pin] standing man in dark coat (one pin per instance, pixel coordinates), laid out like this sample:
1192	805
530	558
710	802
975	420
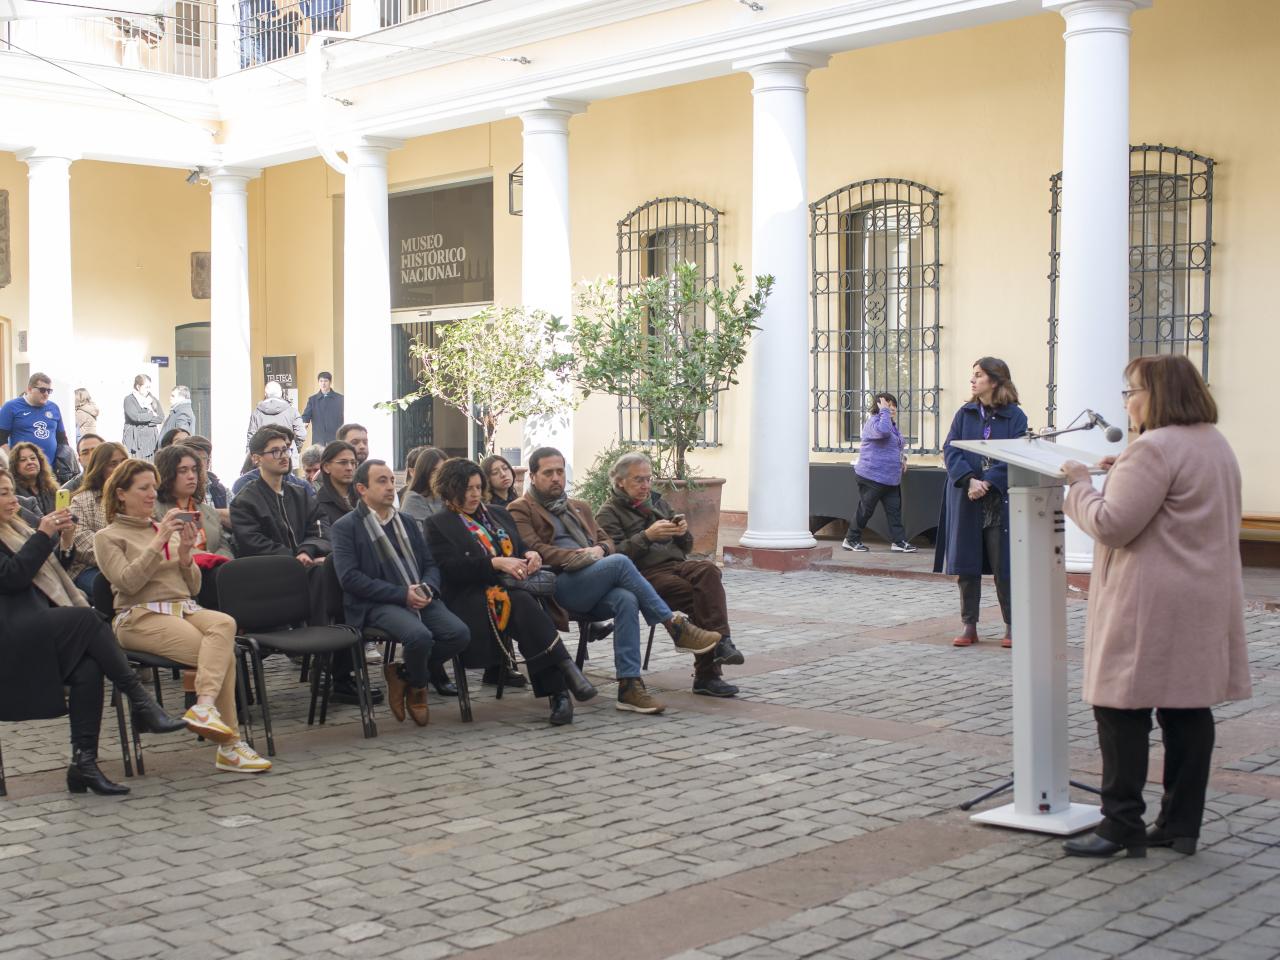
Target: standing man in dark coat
181	416
325	409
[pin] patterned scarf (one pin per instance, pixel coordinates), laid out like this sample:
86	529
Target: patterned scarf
559	507
485	531
382	544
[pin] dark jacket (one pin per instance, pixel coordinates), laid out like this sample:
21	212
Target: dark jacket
260	530
959	549
42	501
467	572
625	526
140	434
181	417
325	414
366	582
30	678
333	507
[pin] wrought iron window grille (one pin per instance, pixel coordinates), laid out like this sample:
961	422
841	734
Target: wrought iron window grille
652	239
413	426
1170	257
875	292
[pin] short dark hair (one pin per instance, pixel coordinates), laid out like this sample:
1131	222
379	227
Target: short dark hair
347	428
96	474
1005	393
200	443
38	378
325	375
424	469
258	442
541	454
88	436
168	439
882	395
452	477
362	471
1176	393
167	461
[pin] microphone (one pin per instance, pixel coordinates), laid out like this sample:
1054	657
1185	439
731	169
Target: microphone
1113	434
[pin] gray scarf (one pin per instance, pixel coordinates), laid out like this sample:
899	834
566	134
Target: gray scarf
559	507
386	552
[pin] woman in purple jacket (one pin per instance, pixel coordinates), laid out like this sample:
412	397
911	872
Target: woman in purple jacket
879	470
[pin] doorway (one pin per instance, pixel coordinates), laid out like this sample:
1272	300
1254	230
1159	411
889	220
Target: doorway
191	353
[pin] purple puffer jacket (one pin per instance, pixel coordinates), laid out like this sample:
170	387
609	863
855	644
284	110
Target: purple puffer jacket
880	455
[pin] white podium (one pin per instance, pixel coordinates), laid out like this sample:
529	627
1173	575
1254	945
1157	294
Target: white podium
1037	560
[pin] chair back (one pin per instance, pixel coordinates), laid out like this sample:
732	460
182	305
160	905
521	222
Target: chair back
264	593
104	600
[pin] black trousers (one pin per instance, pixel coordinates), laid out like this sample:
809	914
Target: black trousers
971	587
1188	736
871	493
87	650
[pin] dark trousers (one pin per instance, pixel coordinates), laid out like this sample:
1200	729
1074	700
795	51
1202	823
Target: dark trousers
86	650
1188	736
541	648
870	493
429	637
971	587
694	587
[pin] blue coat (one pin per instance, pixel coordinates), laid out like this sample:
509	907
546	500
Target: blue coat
959	550
366	582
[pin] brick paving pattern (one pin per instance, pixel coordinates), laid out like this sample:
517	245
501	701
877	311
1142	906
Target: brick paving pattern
812	817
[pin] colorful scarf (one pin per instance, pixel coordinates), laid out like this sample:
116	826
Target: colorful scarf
485	530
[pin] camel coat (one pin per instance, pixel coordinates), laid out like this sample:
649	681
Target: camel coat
1166	600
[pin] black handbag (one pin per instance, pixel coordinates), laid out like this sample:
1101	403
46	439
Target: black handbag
540	584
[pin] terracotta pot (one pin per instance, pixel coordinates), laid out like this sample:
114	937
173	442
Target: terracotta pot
701	507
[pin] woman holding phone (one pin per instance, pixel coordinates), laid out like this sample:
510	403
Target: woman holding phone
151	566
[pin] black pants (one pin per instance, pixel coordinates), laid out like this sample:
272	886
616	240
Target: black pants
871	493
86	650
971	587
1188	747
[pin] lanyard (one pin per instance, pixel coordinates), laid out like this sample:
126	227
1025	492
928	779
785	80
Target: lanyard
156	527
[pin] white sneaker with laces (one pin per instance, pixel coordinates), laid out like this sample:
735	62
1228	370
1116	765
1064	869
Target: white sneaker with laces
903	547
372	654
239	757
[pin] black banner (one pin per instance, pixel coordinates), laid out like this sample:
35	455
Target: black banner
441	246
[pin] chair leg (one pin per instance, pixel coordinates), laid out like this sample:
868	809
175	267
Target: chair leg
242	655
362	689
306	668
155	676
464	692
260	680
3	791
137	746
324	670
653	628
242	695
117	701
315	674
584	637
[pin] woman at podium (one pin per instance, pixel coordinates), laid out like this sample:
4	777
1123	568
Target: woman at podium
973	528
1166	604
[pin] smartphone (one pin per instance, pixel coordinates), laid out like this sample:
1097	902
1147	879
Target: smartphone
62	500
677	518
192	517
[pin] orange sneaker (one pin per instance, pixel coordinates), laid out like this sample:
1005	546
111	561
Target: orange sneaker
968	638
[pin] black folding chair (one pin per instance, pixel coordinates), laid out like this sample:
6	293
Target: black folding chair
270	601
389	644
588	633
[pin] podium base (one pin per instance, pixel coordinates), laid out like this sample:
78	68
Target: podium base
1077	818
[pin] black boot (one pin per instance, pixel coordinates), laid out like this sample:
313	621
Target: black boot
726	652
83	774
148	716
579	685
440	680
561	709
514	678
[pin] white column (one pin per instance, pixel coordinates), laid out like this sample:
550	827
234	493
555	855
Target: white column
366	16
778	478
51	341
231	361
226	30
366	293
546	275
1093	285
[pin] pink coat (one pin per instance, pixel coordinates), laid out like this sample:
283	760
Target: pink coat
1166	599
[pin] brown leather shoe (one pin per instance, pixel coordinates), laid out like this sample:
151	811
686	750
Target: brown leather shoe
689	636
396	688
416	702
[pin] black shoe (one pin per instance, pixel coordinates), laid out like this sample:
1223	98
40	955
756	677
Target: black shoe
599	630
726	652
344	691
579	685
1096	846
713	687
561	709
149	716
1156	837
514	678
84	775
440	680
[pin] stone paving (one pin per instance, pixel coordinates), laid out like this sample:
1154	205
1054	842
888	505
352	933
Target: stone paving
815	815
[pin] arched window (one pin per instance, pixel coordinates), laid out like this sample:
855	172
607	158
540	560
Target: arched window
652	239
876	271
1170	251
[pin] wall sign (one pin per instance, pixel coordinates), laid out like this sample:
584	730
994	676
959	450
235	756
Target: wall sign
441	246
283	370
160	361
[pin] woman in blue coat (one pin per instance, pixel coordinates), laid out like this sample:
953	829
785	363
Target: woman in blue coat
973	528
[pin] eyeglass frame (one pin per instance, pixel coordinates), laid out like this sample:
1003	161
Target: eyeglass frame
278	454
1126	394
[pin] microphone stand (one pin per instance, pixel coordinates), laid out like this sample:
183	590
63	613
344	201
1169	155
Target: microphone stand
1047	434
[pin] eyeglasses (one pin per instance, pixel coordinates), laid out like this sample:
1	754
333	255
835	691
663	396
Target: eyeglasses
276	452
45	390
643	481
347	462
1126	394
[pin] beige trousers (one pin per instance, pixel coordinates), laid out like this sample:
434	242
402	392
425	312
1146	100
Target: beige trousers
204	640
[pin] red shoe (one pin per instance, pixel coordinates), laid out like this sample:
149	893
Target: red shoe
968	638
1007	642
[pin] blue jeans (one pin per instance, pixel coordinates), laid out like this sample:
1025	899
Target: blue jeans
85	580
612	588
430	636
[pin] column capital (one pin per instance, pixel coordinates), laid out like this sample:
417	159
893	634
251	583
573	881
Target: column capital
370	151
784	69
1095	16
34	156
548	115
231	179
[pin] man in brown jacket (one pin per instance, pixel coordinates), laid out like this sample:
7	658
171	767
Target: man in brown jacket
595	581
642	526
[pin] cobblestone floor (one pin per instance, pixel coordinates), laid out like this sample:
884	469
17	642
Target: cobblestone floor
813	816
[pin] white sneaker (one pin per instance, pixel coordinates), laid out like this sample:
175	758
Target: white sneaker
903	547
204	719
372	654
239	757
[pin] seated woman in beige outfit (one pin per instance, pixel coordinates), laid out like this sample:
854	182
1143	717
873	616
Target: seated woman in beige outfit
153	577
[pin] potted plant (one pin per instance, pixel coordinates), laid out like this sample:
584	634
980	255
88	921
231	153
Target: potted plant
672	344
503	363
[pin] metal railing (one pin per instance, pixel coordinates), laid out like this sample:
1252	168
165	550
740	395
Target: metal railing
393	12
274	29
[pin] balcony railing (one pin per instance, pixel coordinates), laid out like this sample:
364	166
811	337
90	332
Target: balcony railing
183	40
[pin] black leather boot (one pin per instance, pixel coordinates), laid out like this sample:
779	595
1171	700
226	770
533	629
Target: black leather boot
440	680
578	685
83	775
561	709
148	716
1156	837
514	678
